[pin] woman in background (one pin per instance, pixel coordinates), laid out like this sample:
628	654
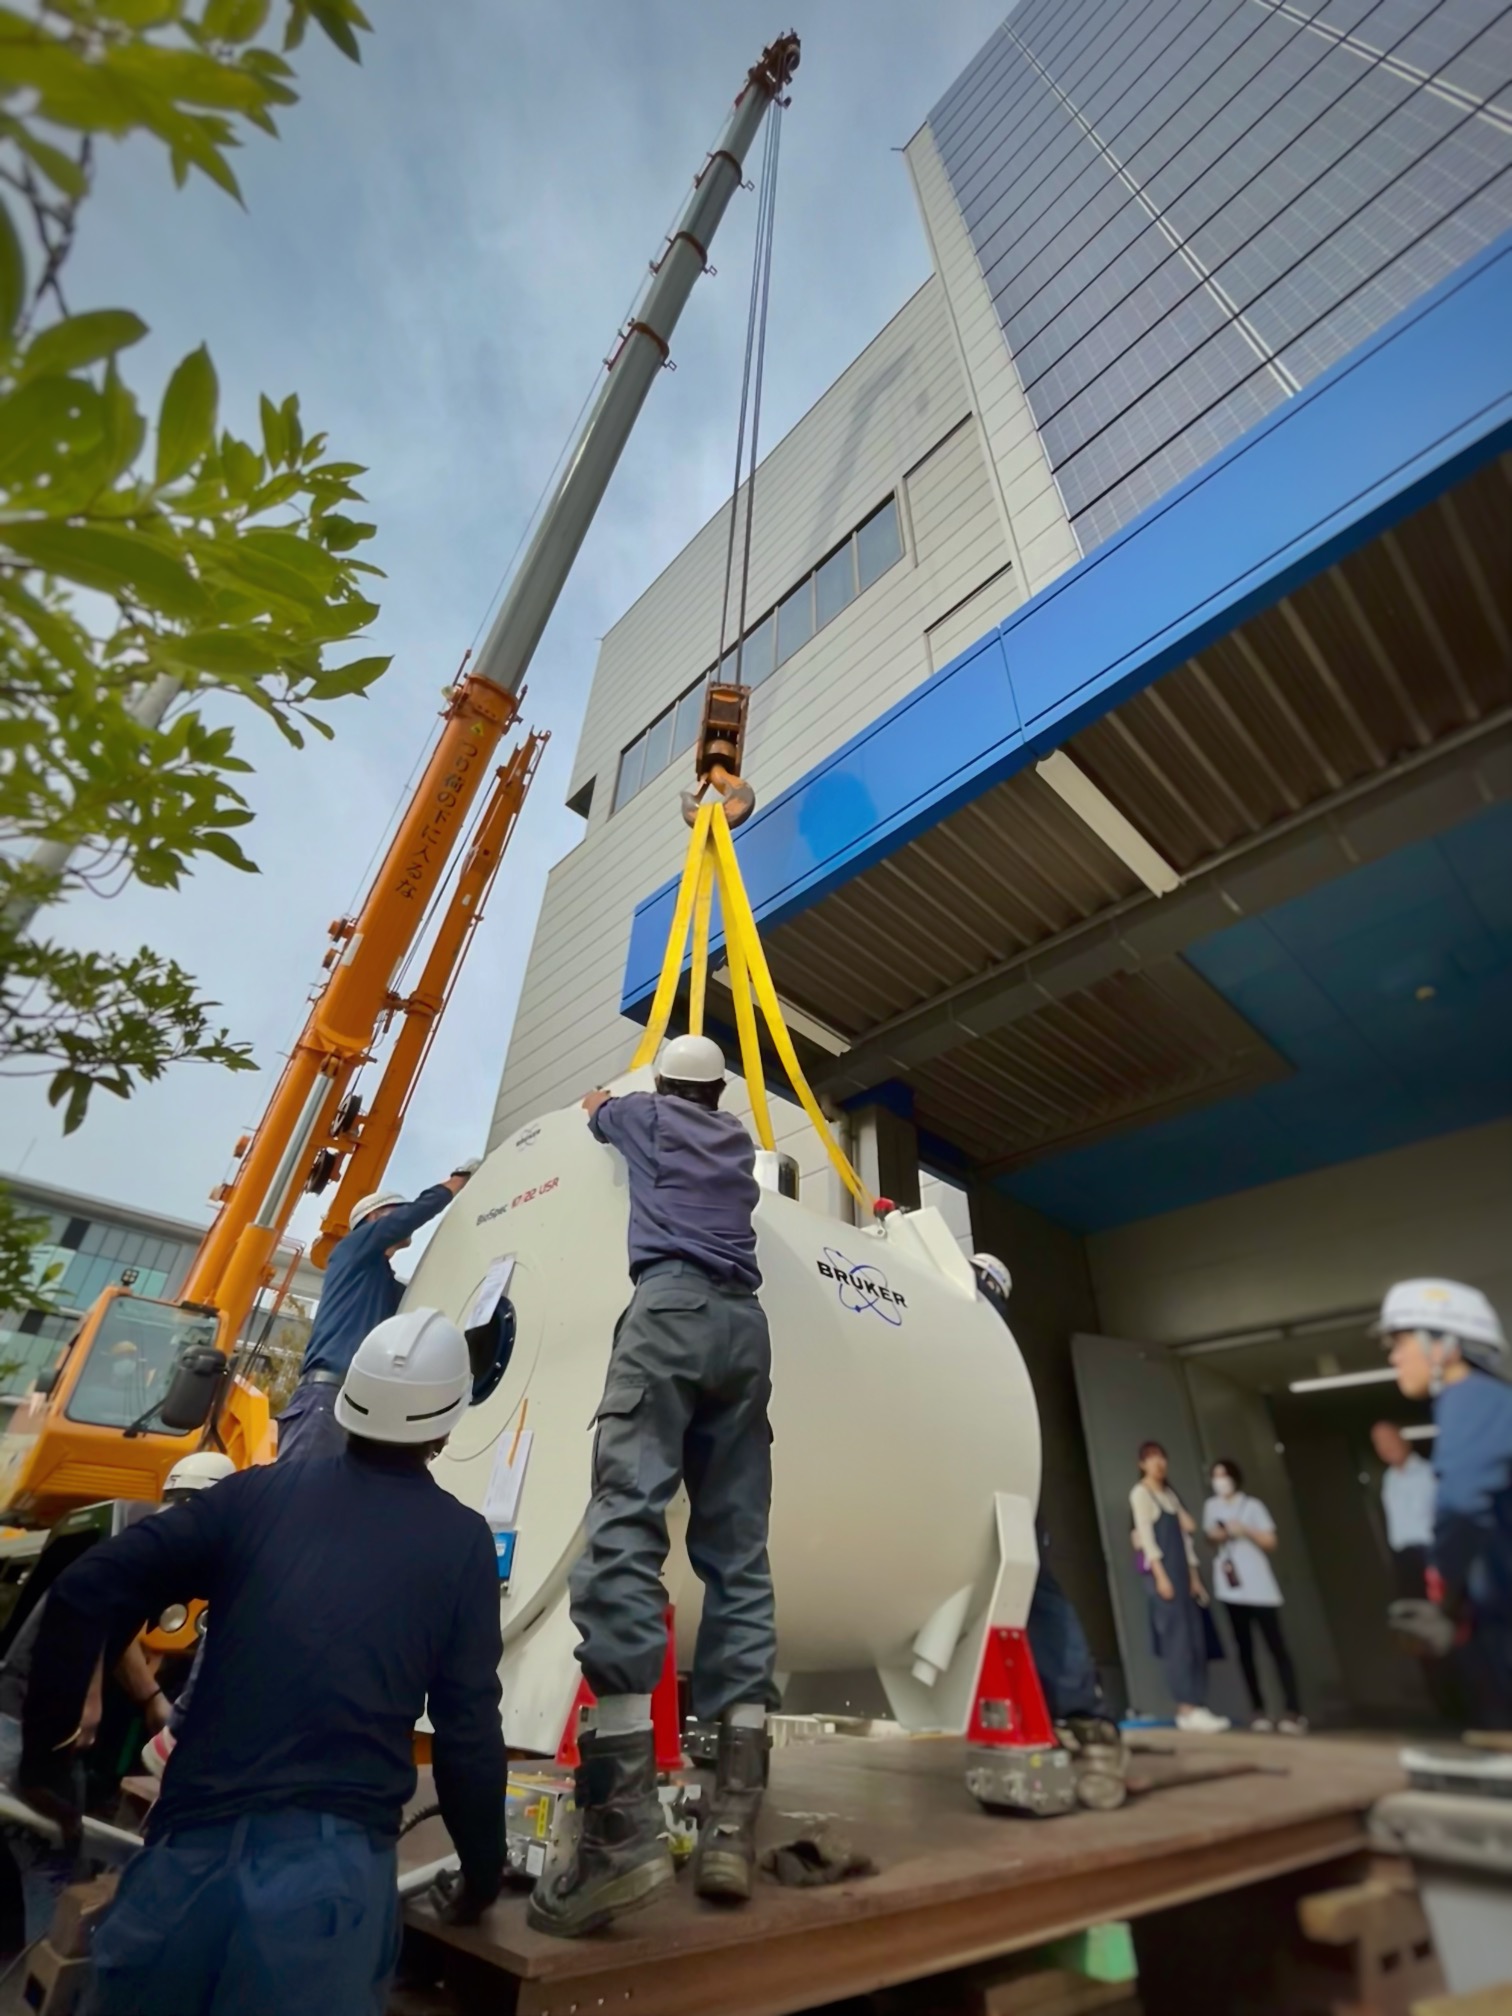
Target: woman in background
1244	1533
1163	1530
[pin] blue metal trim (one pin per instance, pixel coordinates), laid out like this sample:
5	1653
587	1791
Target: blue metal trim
1424	401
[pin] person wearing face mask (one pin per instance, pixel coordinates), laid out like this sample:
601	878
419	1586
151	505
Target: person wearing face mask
1163	1530
1244	1533
1446	1344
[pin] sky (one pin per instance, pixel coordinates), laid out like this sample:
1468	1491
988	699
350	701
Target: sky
436	255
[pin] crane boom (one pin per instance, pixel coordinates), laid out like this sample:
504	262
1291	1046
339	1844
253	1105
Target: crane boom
61	1452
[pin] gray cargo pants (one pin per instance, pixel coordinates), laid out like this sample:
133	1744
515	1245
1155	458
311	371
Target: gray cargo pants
685	1401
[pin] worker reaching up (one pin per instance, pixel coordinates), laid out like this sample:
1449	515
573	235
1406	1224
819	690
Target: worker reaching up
347	1597
1446	1344
361	1290
685	1402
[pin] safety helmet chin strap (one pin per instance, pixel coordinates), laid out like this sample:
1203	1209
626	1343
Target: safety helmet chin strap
1440	1342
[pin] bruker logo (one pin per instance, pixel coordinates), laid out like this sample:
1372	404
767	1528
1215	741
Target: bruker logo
862	1288
524	1140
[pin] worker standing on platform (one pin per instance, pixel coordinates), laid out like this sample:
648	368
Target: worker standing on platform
1447	1345
361	1290
685	1401
348	1598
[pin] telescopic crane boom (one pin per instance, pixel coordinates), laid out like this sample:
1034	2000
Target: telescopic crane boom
140	1378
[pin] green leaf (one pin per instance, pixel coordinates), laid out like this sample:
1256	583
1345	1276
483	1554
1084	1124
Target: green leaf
289	412
338	30
81	340
125	429
140	13
275	436
60	169
340	535
12	273
45	425
224	848
224	653
186	422
115	562
353	678
243	467
235	20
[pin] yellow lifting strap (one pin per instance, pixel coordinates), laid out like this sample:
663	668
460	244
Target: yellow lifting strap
712	864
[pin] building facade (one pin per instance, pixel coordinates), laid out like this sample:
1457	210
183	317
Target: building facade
1184	213
94	1244
1132	731
1150	227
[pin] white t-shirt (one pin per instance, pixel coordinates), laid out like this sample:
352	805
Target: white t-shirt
1407	1494
1257	1582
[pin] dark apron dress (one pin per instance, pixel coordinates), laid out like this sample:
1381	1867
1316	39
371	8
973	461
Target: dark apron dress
1179	1628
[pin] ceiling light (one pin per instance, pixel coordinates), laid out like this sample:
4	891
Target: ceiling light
1426	993
1095	809
1337	1379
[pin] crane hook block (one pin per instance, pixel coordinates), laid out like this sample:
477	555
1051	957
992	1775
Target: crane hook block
717	754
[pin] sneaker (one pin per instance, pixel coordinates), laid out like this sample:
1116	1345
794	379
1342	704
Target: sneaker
1202	1722
1261	1725
1293	1725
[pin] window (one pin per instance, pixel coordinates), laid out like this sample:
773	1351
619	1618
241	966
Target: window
689	714
756	657
879	543
835	585
658	746
795	621
816	600
629	781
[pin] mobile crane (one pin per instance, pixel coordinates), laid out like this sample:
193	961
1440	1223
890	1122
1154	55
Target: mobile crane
142	1381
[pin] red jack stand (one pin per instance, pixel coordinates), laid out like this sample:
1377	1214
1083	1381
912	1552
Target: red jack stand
666	1720
1019	1766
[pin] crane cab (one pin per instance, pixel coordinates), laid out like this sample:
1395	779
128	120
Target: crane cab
93	1427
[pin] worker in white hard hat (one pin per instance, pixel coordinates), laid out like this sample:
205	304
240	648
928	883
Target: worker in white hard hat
1447	1345
44	1872
348	1598
361	1289
685	1403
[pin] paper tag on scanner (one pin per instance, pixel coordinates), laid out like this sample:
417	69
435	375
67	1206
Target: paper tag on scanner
501	1502
487	1299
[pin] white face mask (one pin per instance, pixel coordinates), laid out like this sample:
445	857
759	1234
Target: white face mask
1224	1486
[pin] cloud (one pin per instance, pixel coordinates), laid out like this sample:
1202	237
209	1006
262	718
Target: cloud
436	256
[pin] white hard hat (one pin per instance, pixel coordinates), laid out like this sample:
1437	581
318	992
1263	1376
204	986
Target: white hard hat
994	1273
376	1200
198	1472
1448	1309
410	1380
692	1060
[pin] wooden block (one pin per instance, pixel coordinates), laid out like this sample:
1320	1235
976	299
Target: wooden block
54	1986
1493	2001
1338	1917
1053	1991
79	1910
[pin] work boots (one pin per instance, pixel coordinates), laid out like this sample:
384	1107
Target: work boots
621	1858
1098	1760
725	1859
